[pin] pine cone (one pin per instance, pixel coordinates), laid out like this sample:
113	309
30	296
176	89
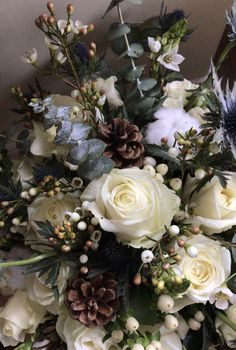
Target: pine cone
92	302
123	141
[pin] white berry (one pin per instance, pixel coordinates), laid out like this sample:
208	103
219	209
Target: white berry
132	324
192	251
117	336
165	303
171	322
138	347
33	191
82	225
85	205
162	169
194	324
150	347
180	216
147	256
83	258
76	109
199	316
150	169
176	184
150	161
75	217
199	173
16	221
24	195
159	177
94	221
174	230
156	344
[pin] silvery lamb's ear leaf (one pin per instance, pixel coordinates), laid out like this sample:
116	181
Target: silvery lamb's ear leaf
86	150
93	168
64	131
79	132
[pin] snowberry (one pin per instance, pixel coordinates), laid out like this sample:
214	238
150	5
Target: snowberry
156	344
150	347
176	184
85	205
33	191
149	161
192	251
194	324
199	316
162	169
174	230
150	169
117	336
75	217
83	258
199	173
16	221
159	177
24	195
138	347
131	324
82	225
171	322
165	303
94	221
147	256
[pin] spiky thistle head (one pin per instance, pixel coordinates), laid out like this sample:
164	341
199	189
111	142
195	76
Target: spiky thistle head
227	101
231	16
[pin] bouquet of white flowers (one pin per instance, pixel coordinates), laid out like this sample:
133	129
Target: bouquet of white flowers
118	216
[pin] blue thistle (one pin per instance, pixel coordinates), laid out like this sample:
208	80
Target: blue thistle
81	51
231	16
49	168
169	19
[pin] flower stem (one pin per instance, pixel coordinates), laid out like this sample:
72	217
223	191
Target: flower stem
225	53
25	262
230	277
128	48
226	320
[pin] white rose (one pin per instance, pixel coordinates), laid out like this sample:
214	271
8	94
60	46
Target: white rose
206	272
168	122
228	333
79	337
51	209
214	206
132	204
176	93
107	87
19	317
41	293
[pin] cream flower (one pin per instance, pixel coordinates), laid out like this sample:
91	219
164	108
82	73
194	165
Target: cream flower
176	93
19	317
154	45
41	293
228	333
50	44
30	57
171	59
221	296
78	26
51	209
168	122
77	336
214	206
107	87
206	272
132	204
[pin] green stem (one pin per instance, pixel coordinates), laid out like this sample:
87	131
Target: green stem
230	277
226	320
225	53
26	261
128	47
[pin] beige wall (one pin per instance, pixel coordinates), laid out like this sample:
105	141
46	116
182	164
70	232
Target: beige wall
18	33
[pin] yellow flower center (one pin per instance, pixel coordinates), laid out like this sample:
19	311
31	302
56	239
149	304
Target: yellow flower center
168	58
221	295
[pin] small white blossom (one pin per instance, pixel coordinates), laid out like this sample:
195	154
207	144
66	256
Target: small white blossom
30	56
50	44
63	24
61	58
221	297
154	45
78	26
171	59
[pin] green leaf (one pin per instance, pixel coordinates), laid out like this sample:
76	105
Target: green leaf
144	105
234	249
157	151
173	76
136	50
140	301
93	168
86	150
147	84
45	229
128	73
118	30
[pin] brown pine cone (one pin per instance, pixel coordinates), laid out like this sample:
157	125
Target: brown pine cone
92	302
123	141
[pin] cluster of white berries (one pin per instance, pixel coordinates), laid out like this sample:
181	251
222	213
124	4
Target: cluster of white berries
154	345
159	171
18	226
32	192
195	323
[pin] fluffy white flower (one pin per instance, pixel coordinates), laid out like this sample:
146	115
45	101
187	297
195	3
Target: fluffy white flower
30	56
154	45
176	93
214	206
41	293
132	204
168	122
107	87
79	337
51	208
228	333
221	296
63	24
206	272
171	59
20	316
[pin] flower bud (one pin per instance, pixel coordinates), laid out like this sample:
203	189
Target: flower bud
165	303
171	322
176	184
70	9
132	324
199	173
51	7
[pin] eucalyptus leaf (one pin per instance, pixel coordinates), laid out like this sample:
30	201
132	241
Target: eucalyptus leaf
86	150
144	105
147	84
117	30
128	73
135	50
92	168
70	133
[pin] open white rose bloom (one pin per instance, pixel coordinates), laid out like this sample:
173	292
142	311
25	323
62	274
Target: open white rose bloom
118	201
